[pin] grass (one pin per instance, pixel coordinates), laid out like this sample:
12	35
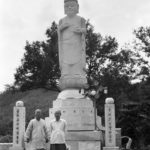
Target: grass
33	99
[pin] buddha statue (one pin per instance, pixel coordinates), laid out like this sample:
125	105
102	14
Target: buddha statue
71	41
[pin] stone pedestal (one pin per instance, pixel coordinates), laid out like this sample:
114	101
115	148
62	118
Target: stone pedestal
110	148
5	146
18	126
84	140
16	148
78	111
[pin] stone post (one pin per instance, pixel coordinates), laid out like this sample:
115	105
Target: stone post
18	126
110	129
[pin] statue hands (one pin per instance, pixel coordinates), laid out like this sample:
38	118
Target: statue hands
74	29
64	26
77	30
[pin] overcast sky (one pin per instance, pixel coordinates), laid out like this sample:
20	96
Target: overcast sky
22	20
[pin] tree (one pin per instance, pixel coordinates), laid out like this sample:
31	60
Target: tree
135	122
133	116
143	35
142	44
39	66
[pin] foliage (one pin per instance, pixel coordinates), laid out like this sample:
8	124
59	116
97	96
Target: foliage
33	99
39	67
6	139
135	122
116	71
143	34
141	45
133	116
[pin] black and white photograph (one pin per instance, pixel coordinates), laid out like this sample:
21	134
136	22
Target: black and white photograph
75	75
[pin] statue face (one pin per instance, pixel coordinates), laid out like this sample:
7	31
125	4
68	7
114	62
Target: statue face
71	8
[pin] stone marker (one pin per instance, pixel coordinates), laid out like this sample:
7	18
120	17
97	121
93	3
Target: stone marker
110	129
18	126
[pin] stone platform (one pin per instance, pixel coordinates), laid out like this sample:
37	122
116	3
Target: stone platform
77	110
79	113
111	148
84	140
5	146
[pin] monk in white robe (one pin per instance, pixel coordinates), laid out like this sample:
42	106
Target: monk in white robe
37	133
57	132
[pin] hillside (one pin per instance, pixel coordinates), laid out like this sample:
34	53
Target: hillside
33	99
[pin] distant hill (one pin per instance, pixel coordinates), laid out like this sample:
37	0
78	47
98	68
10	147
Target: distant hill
33	99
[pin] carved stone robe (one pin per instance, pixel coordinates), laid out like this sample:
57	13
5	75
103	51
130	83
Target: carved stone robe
72	58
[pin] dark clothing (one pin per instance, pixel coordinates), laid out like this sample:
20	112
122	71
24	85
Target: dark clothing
58	147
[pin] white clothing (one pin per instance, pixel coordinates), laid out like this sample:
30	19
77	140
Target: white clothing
57	131
37	133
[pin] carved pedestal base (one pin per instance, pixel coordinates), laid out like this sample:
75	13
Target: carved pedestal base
77	110
84	140
110	148
73	81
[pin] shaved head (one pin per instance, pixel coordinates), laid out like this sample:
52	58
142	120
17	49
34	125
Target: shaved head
57	115
38	114
38	111
58	112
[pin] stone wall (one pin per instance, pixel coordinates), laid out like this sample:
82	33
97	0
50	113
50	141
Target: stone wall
5	146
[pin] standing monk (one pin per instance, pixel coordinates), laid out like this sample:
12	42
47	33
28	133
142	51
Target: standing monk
57	132
37	133
71	38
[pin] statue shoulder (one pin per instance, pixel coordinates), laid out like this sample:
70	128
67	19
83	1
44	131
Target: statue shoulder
62	20
83	21
81	18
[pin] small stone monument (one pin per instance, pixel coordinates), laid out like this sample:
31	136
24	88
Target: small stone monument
110	129
18	126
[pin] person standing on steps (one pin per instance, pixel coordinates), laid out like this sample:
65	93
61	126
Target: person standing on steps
57	132
37	133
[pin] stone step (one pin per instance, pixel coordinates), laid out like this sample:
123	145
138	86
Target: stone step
5	146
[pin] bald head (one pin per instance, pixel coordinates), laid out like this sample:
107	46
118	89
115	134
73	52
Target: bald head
38	114
57	115
37	111
70	1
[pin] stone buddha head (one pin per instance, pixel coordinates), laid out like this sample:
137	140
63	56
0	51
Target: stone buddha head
71	7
